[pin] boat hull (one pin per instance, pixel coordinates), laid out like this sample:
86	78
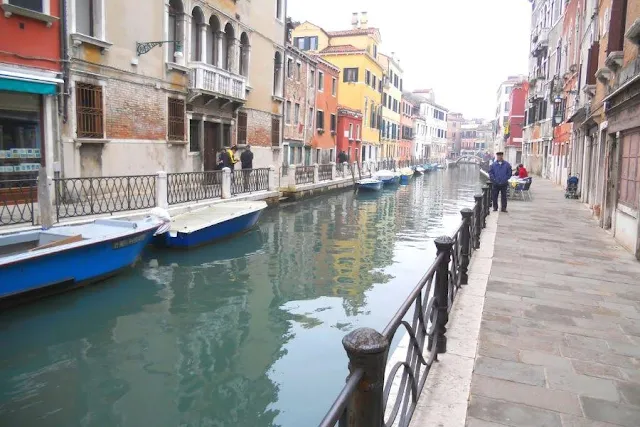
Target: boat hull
370	186
210	234
66	269
404	179
391	181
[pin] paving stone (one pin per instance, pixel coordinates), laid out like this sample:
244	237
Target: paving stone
544	359
564	379
540	397
512	371
593	369
474	422
608	358
625	349
521	343
511	414
573	421
497	351
611	412
586	342
630	392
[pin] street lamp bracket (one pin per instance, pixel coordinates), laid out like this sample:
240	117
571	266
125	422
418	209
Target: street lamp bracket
144	47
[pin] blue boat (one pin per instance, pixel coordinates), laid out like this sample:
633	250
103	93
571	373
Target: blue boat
41	262
405	175
369	184
209	224
387	177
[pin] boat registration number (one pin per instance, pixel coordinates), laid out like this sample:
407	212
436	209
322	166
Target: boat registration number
128	241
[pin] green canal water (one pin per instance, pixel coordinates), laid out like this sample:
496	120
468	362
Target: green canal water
244	333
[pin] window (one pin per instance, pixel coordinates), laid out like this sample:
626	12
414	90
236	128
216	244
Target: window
350	130
242	127
384	99
296	114
287	112
334	86
312	79
374	82
396	82
372	120
176	119
306	43
333	123
88	14
320	120
277	74
320	81
358	132
375	51
89	111
298	71
367	77
350	75
310	118
629	170
507	106
275	132
507	90
290	68
279	9
400	84
194	136
176	16
35	5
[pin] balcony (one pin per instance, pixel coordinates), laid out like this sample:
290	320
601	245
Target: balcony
210	80
540	41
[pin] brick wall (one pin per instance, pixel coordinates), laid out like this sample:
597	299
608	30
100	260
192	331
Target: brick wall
296	93
258	128
135	111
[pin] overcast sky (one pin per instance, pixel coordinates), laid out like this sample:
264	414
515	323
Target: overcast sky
463	49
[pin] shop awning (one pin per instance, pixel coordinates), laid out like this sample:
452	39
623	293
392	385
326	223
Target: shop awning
29	83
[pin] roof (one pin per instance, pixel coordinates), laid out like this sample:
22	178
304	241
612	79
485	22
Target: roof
326	63
341	49
353	32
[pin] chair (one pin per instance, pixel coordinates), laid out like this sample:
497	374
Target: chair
524	189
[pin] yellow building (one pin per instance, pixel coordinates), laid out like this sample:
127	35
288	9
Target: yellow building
390	134
355	52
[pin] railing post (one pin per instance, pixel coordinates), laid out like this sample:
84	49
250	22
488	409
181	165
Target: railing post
45	207
333	170
477	212
367	350
444	244
483	215
316	174
162	200
226	183
292	176
487	212
272	178
465	245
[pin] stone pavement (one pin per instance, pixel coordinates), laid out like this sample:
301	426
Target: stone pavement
559	341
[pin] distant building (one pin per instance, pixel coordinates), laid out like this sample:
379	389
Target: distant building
454	135
407	124
503	109
326	83
436	122
349	135
391	104
512	129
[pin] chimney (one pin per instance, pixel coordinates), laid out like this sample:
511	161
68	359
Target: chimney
354	19
363	20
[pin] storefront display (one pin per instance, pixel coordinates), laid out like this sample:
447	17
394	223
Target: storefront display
20	140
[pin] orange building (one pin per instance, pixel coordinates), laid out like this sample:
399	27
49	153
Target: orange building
30	81
324	142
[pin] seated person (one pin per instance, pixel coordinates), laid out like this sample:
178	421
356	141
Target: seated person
521	171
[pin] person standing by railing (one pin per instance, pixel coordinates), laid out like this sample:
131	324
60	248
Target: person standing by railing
246	161
499	173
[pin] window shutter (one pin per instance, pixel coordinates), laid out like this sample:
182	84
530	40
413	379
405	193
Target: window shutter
592	63
616	26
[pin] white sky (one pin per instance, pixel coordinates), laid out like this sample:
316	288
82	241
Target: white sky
463	49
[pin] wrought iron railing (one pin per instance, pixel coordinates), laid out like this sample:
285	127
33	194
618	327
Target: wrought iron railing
193	186
17	198
324	172
304	174
249	180
365	399
105	195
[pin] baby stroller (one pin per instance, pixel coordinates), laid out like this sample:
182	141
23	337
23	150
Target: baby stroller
572	188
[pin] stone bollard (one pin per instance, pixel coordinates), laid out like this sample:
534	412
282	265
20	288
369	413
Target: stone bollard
226	183
465	243
292	176
43	212
440	311
272	178
316	174
333	170
162	190
477	212
367	350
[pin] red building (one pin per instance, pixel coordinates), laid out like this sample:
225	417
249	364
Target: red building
513	131
406	123
30	80
349	133
324	143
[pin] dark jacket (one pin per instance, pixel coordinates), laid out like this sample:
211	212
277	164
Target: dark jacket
500	173
246	158
342	157
226	159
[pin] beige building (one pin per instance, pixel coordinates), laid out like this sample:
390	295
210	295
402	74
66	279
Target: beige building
155	86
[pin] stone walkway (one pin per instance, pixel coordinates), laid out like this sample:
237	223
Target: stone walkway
559	342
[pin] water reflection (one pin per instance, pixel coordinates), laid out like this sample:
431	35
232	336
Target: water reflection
246	333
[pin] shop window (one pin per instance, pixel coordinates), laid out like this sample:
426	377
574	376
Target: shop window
630	170
176	119
20	150
89	111
242	128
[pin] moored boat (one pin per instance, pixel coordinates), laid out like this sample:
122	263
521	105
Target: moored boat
40	262
419	170
369	184
387	177
211	223
405	175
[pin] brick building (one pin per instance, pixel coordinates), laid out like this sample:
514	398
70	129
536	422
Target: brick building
324	144
30	80
349	133
300	125
515	123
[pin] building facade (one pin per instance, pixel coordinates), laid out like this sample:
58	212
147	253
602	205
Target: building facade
407	125
512	132
324	144
454	133
390	133
503	109
31	78
176	87
349	134
436	120
355	53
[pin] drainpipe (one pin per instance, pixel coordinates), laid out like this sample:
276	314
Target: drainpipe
285	38
64	48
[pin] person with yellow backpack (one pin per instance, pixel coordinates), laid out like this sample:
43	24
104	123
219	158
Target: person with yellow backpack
232	156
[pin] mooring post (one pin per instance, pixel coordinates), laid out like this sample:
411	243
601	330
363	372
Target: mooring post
440	313
477	218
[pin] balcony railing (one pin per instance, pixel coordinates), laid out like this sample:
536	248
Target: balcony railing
207	78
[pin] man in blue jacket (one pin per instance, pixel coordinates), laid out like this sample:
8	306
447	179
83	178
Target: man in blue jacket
499	173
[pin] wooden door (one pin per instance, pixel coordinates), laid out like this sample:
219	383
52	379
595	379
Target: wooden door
210	151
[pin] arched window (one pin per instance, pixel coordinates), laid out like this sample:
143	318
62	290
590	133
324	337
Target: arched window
212	41
176	20
277	74
197	21
245	50
229	39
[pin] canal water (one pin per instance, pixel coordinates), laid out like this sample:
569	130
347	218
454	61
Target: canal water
245	333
